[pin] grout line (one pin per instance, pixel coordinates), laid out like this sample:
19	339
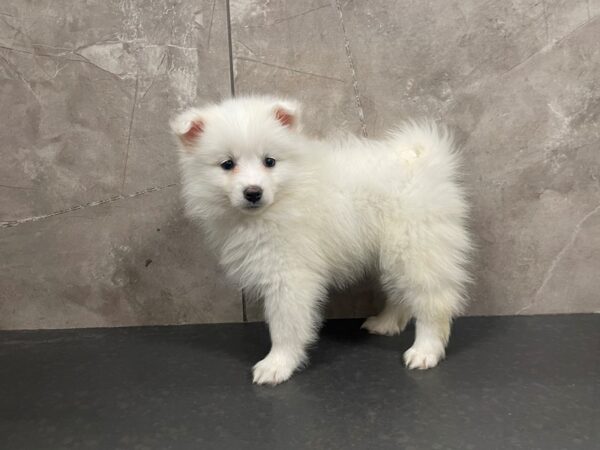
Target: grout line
114	198
361	114
232	90
244	312
230	44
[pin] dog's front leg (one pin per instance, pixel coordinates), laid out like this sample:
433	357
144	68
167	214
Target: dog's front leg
292	312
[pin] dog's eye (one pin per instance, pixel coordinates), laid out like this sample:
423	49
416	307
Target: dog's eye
270	162
227	165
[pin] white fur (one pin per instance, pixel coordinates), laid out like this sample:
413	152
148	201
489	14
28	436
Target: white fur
332	211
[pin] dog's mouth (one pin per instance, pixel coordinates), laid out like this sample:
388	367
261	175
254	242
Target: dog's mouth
252	207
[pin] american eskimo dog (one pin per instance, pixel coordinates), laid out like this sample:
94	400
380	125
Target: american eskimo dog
290	215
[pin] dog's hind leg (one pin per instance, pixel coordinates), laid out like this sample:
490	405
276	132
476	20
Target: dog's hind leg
432	331
391	320
435	279
431	274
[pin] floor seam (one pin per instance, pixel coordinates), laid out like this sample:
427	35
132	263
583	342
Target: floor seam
114	198
357	101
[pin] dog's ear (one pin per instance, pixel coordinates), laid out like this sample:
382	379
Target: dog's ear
287	114
188	127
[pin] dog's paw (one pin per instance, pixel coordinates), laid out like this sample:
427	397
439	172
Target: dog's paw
274	369
423	357
386	326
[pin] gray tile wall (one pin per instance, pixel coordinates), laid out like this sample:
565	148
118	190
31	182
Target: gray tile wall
92	232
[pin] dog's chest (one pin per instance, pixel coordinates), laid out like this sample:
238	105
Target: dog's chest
262	254
253	254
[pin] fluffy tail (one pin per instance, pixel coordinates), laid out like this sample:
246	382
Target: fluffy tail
429	146
433	163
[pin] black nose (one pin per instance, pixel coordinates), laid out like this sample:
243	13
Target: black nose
253	193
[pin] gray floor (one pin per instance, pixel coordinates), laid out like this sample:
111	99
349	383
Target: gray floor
508	382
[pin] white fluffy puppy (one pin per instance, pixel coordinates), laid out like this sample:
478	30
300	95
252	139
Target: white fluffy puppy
289	216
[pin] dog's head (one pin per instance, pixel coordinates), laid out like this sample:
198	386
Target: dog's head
239	154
